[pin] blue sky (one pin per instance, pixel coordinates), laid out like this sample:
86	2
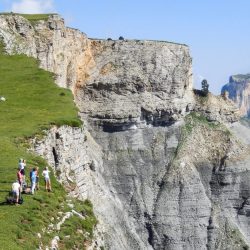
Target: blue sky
217	31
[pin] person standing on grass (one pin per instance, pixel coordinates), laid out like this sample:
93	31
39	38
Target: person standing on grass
21	166
37	178
47	179
33	180
20	163
16	190
31	174
20	179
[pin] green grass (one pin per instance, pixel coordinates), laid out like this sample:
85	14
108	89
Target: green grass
73	227
33	102
35	17
31	17
195	118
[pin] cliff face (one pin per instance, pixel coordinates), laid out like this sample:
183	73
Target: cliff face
159	188
136	83
59	49
159	176
238	89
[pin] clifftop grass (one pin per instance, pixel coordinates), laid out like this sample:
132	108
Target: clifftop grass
31	17
33	102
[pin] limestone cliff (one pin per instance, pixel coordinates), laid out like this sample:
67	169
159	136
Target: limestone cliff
162	165
238	89
136	83
59	49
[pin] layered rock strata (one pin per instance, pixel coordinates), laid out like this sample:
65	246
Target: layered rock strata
238	90
136	83
154	188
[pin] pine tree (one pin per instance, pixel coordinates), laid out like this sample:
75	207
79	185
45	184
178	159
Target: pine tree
204	87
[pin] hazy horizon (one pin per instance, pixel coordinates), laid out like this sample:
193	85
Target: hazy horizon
215	31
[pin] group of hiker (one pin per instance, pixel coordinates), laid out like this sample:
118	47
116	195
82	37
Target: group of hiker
21	186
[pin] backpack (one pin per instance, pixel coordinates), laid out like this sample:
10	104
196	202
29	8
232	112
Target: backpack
26	190
20	201
10	200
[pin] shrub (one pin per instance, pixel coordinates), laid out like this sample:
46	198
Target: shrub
204	87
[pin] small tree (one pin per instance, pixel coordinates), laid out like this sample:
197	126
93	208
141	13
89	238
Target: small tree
204	87
121	38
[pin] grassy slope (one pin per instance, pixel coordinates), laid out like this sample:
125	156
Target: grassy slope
31	17
36	17
33	102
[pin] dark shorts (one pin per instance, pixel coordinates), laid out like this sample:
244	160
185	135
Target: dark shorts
37	179
22	172
15	193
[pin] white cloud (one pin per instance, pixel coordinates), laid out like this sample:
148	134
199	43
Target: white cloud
32	6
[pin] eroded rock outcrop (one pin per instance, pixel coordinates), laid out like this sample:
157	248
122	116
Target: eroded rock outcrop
238	90
59	49
159	175
136	82
216	108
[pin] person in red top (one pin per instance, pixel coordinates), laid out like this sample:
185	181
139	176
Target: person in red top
20	178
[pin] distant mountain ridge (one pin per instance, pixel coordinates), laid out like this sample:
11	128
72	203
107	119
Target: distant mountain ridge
238	89
239	78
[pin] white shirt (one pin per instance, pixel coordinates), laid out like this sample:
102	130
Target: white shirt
46	174
21	165
15	187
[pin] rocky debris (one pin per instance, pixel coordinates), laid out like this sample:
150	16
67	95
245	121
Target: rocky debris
70	205
65	217
54	243
56	227
216	108
78	214
238	90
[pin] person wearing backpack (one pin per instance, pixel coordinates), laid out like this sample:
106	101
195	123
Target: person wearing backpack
16	190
